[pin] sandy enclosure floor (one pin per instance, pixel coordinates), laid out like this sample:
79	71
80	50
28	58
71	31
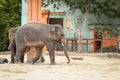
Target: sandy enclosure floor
92	67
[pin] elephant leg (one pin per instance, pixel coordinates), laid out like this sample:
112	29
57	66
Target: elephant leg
22	58
38	54
51	54
12	48
52	57
12	57
18	55
42	59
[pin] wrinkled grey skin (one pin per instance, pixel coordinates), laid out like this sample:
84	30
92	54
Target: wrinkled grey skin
12	46
36	33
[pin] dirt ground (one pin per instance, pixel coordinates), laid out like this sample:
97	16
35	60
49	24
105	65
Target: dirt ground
92	67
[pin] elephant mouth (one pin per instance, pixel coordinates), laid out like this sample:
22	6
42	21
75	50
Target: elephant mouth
58	39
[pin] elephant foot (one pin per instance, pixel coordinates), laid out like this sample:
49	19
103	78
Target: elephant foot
68	62
33	61
36	59
22	61
17	62
52	63
42	60
12	61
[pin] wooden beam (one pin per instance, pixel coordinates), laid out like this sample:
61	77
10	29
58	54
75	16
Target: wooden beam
57	12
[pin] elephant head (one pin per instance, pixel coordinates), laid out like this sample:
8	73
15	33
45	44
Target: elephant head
11	36
57	32
58	36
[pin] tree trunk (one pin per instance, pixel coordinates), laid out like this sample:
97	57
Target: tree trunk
80	33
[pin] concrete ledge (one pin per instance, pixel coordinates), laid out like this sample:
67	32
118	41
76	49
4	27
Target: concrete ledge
5	52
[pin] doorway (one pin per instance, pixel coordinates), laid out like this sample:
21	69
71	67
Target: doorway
56	21
99	43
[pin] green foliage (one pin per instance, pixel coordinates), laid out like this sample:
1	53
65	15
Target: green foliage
113	30
10	16
110	8
108	49
56	3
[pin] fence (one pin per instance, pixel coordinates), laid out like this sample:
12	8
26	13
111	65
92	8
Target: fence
74	41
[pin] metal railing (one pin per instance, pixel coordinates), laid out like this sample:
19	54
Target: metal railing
101	40
75	41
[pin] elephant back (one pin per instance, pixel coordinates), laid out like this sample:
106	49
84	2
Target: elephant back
34	32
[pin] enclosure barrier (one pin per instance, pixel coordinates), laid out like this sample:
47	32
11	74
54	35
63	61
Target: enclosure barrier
74	41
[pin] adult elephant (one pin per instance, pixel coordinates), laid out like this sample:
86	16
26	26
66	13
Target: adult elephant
12	46
36	33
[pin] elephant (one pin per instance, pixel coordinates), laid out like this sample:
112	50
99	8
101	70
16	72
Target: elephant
12	45
35	33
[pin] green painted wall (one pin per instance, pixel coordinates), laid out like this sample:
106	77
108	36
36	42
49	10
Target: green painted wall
24	15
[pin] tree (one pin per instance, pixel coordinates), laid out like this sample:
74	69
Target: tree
110	29
109	8
10	16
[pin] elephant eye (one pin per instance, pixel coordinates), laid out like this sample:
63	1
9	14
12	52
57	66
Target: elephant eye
62	34
56	29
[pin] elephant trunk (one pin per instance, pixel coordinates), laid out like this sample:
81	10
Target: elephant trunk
65	50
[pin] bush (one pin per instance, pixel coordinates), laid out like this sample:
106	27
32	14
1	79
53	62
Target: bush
108	49
10	16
